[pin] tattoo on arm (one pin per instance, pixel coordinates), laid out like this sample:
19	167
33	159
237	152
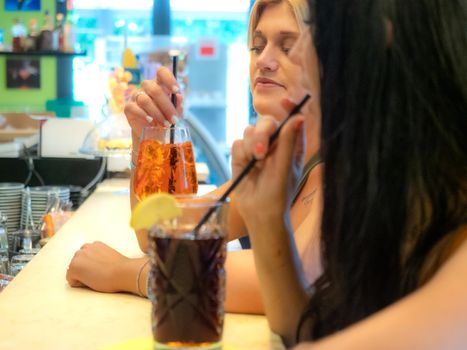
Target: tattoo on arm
308	198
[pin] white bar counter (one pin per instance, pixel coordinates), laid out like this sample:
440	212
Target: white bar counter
39	310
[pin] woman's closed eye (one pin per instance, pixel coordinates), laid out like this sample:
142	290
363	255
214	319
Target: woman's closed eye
287	44
286	49
257	49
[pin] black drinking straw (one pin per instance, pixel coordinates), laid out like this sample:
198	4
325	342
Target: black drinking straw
173	150
248	167
173	98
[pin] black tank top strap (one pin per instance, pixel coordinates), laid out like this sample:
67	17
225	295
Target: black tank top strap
309	166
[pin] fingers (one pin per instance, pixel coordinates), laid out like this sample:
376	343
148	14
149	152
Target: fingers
179	105
156	102
167	81
71	278
153	101
240	157
139	117
287	104
255	144
258	143
81	265
74	283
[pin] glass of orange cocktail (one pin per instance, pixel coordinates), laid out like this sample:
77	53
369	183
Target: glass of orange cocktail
166	162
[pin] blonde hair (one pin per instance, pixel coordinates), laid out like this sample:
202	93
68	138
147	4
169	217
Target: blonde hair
299	9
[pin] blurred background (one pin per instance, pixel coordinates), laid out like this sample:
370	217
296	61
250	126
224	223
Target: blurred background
67	68
62	64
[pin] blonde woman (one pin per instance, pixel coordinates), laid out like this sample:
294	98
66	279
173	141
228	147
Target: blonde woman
274	27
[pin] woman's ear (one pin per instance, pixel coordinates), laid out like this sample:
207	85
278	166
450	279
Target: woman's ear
388	32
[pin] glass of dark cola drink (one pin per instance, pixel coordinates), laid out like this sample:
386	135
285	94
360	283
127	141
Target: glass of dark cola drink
187	278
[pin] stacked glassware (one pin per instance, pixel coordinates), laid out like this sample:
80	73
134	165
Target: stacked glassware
10	203
40	197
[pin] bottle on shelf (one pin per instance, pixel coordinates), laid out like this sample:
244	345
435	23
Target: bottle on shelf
47	21
31	41
46	40
58	33
69	33
18	31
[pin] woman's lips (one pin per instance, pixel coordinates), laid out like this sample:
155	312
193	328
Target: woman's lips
265	83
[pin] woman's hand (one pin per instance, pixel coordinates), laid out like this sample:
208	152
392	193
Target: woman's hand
99	267
264	198
151	105
269	187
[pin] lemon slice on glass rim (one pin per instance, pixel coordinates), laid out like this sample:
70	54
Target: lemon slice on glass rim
153	209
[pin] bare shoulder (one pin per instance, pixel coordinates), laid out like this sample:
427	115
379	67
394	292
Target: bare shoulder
308	200
314	182
306	220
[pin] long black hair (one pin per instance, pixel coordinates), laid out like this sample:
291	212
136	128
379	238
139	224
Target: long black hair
394	144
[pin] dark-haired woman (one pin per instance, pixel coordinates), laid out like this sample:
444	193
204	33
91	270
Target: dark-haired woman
393	140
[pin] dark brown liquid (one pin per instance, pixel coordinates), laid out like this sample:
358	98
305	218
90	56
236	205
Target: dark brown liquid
188	281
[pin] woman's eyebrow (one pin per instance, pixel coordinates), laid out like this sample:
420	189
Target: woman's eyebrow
289	34
282	33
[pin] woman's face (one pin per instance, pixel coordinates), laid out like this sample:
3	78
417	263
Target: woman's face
273	76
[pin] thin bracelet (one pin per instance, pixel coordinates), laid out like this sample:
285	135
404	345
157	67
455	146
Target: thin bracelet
132	163
139	276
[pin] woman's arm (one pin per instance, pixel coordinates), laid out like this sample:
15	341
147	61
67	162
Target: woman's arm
432	318
102	268
243	293
264	199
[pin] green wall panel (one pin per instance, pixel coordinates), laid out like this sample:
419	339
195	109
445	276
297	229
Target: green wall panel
32	99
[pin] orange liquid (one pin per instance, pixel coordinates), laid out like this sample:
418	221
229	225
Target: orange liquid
165	168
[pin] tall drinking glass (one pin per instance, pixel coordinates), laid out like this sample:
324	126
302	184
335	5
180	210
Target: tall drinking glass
187	278
165	162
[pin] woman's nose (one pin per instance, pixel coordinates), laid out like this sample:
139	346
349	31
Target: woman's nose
267	60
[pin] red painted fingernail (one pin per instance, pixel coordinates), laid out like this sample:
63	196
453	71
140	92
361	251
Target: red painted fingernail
288	104
299	124
259	150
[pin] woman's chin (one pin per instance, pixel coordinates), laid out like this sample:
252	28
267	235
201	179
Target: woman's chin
269	106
